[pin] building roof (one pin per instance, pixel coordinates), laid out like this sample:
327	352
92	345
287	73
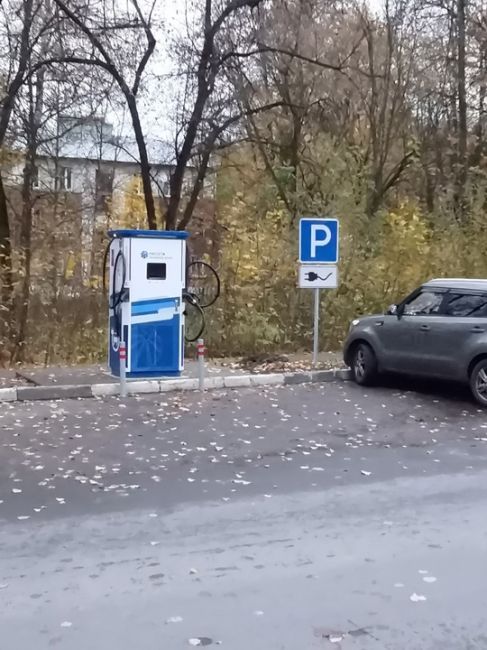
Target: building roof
92	138
122	150
479	284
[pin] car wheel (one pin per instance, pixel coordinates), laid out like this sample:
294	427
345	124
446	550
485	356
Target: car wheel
364	365
478	382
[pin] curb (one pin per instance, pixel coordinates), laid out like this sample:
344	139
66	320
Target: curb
151	386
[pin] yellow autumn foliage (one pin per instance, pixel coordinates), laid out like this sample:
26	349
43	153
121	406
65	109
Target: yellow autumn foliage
262	309
128	210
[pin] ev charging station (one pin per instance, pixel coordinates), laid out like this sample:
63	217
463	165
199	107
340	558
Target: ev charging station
146	310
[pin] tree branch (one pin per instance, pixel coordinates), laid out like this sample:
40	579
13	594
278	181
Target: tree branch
151	44
94	40
293	54
75	60
231	8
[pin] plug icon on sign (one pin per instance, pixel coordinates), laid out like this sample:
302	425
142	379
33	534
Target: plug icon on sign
311	276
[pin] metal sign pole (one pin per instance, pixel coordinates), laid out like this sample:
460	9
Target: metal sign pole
319	241
316	329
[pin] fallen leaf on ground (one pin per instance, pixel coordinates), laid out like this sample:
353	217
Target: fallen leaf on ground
416	598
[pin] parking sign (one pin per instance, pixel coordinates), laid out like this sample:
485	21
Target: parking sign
318	241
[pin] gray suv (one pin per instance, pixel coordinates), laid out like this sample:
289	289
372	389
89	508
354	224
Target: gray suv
439	330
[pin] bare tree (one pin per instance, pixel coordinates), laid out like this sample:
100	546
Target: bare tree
390	61
292	63
18	50
209	70
105	53
462	172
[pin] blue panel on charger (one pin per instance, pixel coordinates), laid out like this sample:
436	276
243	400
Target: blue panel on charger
154	346
144	307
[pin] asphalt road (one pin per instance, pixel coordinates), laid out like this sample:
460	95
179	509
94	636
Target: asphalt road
293	518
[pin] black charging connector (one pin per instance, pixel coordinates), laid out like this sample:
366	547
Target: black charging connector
311	276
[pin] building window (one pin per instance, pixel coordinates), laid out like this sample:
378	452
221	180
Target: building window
138	185
35	178
188	183
104	188
65	178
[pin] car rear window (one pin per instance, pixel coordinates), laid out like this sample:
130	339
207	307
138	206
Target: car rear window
465	305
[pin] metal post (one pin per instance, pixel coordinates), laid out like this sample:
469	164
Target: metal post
122	353
200	351
316	329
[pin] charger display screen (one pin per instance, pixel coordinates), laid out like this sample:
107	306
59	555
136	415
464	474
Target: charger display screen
156	271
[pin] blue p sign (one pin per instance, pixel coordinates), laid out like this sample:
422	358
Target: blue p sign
318	240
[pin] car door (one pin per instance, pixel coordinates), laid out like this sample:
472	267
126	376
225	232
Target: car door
463	324
406	336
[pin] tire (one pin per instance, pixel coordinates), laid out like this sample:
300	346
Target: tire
478	382
364	365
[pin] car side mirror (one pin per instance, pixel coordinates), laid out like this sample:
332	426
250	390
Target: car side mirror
392	310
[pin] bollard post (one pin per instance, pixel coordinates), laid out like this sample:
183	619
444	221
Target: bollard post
123	359
200	351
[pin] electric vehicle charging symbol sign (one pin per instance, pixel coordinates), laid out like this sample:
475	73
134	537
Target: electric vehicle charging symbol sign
318	276
318	241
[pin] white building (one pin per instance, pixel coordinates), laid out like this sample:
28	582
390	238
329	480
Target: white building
84	159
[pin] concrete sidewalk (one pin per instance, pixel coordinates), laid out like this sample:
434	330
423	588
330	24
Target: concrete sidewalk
60	382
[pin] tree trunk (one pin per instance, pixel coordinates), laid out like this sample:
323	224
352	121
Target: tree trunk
294	159
197	187
462	162
144	162
177	176
479	146
6	107
36	101
206	78
6	274
34	121
25	244
374	193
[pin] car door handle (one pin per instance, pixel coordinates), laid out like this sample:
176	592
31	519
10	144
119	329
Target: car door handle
379	323
477	329
424	328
